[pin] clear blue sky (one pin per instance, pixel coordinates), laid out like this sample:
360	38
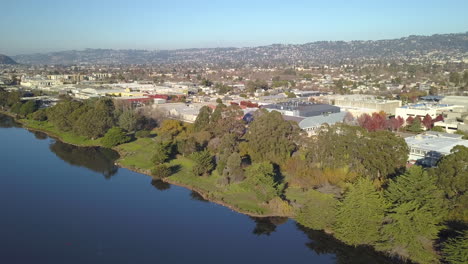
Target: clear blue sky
54	25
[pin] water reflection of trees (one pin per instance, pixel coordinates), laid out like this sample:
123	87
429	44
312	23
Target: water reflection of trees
267	225
39	135
100	160
323	243
7	122
160	185
197	197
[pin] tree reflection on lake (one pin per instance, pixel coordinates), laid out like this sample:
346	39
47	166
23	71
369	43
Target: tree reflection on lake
101	160
7	122
160	185
323	243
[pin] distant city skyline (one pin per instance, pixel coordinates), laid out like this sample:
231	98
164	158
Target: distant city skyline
51	25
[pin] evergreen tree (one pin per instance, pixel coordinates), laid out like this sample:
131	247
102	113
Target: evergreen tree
414	217
452	177
233	170
261	178
161	153
455	250
28	108
361	214
203	162
203	119
128	120
319	212
115	136
271	138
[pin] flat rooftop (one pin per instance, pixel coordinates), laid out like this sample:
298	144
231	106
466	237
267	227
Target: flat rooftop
434	141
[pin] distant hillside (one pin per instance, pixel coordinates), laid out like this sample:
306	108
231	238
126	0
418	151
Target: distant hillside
6	60
445	47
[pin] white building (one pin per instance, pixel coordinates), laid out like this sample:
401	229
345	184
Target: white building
429	147
423	109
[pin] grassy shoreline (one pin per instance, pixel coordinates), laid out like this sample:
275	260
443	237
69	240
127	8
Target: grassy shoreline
135	156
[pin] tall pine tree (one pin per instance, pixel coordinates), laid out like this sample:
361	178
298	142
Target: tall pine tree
415	216
361	214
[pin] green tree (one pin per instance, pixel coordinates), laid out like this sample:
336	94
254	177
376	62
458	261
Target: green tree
114	136
16	108
271	138
203	162
451	176
203	119
414	217
233	170
170	129
60	115
13	98
187	146
361	215
455	250
161	171
28	108
161	152
128	120
319	212
415	126
260	177
40	115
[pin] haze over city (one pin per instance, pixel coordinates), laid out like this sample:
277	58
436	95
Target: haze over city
53	25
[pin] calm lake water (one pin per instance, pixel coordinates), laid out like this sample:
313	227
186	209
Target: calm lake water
65	204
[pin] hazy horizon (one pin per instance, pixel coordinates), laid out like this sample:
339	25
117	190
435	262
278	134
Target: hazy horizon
52	25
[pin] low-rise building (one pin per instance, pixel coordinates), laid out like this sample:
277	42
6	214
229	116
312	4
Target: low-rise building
358	105
423	109
427	148
312	124
302	109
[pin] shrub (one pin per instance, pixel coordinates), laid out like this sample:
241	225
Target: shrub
114	137
319	212
142	134
161	171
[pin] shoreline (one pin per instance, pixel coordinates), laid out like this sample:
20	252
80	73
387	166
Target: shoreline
202	193
145	172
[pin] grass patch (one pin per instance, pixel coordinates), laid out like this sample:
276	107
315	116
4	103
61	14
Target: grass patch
67	137
137	154
297	195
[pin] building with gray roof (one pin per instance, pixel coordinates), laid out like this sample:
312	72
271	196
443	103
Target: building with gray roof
427	148
312	124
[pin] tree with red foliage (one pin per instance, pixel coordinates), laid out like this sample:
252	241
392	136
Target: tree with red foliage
409	120
401	121
378	121
427	122
394	124
364	121
438	118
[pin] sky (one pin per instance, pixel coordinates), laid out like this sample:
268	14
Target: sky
55	25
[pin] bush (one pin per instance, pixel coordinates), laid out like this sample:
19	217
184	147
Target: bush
39	115
161	171
319	212
115	136
143	134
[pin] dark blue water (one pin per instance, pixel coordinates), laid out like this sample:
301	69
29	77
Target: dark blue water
64	204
